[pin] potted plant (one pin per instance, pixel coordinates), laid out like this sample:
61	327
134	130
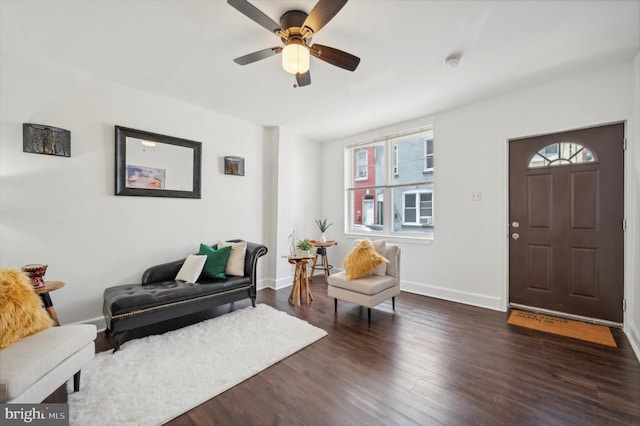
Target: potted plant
305	246
322	224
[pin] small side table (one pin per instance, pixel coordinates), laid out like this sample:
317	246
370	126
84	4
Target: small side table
324	264
300	280
43	292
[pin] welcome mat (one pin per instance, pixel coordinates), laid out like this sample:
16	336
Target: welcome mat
563	327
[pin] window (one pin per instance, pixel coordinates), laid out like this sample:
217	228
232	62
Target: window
390	191
361	165
417	208
428	155
562	153
395	160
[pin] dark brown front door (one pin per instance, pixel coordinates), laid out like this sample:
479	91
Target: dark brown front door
566	206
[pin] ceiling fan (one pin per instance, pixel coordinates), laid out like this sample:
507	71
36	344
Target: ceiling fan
295	30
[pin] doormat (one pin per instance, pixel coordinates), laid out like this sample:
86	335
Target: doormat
563	327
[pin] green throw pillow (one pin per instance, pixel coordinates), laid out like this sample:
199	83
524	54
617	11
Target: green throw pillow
216	262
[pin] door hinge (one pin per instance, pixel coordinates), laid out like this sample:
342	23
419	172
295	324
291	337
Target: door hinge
624	304
624	224
624	144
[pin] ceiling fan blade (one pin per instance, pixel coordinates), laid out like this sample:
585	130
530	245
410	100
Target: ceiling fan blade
303	79
255	14
322	13
257	56
335	57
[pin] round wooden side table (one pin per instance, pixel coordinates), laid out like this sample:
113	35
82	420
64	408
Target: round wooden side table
43	292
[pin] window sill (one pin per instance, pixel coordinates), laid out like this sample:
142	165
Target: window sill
426	240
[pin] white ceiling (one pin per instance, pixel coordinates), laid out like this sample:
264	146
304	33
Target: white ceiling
185	49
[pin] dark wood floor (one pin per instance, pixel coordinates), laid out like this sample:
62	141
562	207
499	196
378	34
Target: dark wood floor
431	362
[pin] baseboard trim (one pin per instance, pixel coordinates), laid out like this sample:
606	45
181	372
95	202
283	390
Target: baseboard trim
283	282
265	283
275	284
467	298
634	338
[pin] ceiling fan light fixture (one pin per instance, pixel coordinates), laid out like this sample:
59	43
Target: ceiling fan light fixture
295	58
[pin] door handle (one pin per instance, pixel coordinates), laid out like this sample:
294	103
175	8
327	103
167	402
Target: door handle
515	235
515	224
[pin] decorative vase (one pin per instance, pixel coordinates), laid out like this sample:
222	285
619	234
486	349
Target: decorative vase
323	238
36	273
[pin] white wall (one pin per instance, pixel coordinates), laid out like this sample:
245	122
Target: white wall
62	211
468	259
298	197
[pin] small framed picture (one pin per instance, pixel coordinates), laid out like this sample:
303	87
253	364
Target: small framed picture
234	166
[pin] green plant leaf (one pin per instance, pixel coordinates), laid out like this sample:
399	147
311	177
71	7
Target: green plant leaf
304	244
322	224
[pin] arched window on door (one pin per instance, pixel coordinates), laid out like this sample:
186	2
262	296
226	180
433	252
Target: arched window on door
562	153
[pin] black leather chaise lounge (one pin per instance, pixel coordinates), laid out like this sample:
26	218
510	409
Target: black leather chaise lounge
160	297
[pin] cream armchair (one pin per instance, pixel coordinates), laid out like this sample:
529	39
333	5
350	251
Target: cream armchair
371	290
36	358
34	367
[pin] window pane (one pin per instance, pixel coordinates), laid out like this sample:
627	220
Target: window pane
369	166
410	215
410	164
558	154
426	208
367	210
395	159
410	212
413	210
410	200
428	160
361	168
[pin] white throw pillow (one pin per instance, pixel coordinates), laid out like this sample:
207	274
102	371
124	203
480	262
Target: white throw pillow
235	265
191	268
381	249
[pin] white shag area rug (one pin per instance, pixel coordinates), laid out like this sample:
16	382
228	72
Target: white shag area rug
155	379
